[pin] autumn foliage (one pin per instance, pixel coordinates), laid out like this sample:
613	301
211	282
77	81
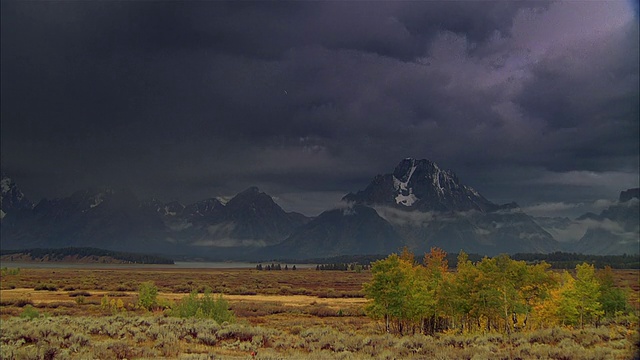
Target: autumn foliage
494	294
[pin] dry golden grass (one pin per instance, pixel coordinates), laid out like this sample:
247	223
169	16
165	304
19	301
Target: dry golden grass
276	298
227	281
630	279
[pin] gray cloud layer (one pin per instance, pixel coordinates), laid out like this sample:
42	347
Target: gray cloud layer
525	101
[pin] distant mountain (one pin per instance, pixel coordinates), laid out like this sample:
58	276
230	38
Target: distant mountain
355	230
117	220
12	199
418	205
430	207
105	218
616	230
629	194
250	219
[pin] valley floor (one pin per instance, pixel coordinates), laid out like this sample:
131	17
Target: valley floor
279	314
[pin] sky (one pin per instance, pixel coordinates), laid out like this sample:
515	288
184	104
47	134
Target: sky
532	102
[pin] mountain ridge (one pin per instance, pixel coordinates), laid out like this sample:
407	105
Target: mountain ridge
418	205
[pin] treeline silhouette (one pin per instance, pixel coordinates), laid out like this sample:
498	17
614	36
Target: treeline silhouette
274	267
562	260
343	267
557	260
60	253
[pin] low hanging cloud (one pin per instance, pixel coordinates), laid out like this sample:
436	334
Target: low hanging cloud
576	229
402	218
609	179
550	208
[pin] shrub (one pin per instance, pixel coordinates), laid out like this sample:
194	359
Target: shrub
321	311
205	307
148	295
6	271
21	302
47	287
251	309
29	312
112	305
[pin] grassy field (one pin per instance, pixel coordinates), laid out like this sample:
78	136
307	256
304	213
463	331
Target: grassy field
279	314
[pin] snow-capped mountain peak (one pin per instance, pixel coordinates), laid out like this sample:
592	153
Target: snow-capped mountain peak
421	185
11	198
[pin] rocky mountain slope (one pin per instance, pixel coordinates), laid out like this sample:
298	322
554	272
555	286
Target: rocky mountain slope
352	230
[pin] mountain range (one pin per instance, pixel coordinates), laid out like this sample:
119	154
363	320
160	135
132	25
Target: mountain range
418	205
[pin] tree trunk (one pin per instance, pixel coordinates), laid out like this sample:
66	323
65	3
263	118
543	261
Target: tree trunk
386	319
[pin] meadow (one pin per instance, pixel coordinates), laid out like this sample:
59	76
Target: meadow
96	313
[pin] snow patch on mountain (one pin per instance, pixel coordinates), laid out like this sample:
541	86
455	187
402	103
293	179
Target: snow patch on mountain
97	200
223	199
472	190
406	200
436	180
170	211
5	185
405	194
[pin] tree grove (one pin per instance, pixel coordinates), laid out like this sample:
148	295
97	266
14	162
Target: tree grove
494	294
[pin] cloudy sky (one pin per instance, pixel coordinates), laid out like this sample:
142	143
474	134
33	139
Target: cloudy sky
531	102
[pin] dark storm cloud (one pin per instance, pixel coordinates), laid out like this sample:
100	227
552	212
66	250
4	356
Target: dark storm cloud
192	100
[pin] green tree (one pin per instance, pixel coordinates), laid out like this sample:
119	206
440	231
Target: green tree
614	300
437	285
391	289
148	295
493	288
587	293
536	287
421	299
407	255
464	293
566	304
